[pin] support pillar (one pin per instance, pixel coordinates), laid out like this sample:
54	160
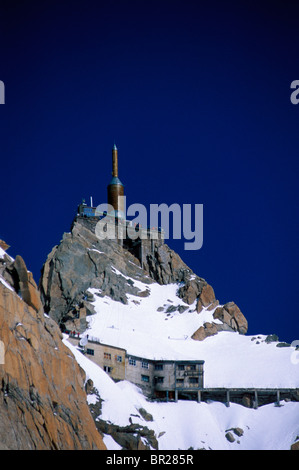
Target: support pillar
175	395
278	398
256	403
199	396
227	398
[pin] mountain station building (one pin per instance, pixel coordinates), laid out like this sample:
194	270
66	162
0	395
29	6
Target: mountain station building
161	379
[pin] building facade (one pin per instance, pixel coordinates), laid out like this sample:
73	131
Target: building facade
161	379
110	358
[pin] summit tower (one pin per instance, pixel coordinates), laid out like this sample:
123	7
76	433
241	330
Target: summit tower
115	189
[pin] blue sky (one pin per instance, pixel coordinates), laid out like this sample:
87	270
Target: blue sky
196	96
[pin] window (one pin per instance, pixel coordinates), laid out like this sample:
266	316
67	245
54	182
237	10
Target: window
192	367
119	358
108	369
179	381
158	366
132	361
90	352
193	380
159	380
144	364
145	378
181	367
107	356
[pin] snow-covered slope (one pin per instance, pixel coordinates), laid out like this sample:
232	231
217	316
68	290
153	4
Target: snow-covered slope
187	424
147	327
231	359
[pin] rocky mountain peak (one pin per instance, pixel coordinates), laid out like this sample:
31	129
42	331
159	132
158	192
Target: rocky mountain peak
82	261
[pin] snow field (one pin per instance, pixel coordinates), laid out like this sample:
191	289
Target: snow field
231	359
186	424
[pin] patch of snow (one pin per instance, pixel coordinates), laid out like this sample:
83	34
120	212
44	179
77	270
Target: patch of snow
3	253
110	443
98	251
3	281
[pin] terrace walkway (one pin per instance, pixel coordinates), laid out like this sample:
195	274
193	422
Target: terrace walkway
252	397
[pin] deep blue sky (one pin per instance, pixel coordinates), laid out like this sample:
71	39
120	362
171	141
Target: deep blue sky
196	95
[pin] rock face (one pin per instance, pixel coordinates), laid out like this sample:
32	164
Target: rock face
165	266
130	437
42	397
231	317
4	245
15	273
295	446
82	261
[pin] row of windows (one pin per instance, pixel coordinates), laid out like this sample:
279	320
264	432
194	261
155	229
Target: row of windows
158	380
180	367
107	356
189	367
192	380
117	357
144	363
144	378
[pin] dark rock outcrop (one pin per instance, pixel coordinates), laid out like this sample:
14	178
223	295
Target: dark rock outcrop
131	437
230	437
